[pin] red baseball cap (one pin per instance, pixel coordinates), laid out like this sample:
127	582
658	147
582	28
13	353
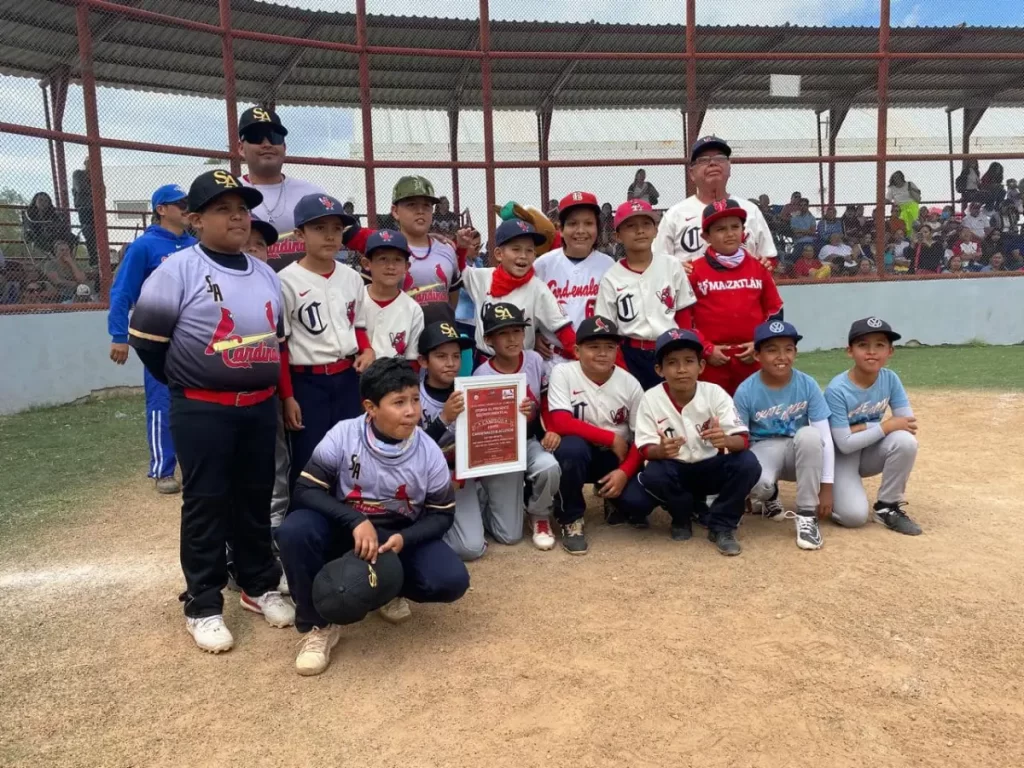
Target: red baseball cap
721	209
578	200
632	208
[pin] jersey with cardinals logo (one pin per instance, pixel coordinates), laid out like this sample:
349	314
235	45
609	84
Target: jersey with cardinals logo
434	273
659	414
322	313
612	405
394	327
223	325
644	304
680	233
574	283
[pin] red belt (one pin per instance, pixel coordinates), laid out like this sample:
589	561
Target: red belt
325	370
640	344
237	399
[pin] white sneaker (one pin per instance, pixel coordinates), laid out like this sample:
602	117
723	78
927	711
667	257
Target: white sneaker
808	535
396	611
315	652
282	585
210	633
275	609
543	538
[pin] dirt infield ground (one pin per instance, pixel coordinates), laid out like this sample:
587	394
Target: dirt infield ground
879	650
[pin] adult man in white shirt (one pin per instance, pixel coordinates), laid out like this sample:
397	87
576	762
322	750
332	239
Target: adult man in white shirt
976	221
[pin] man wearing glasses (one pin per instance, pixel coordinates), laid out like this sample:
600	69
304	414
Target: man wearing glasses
162	238
261	139
679	233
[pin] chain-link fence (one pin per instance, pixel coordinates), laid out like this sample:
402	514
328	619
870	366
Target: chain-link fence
876	148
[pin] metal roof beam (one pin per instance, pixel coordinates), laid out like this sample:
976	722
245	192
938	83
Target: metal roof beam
100	32
463	77
774	42
289	66
548	101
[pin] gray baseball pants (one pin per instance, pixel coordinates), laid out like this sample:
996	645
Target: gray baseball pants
791	458
466	536
892	457
501	496
279	499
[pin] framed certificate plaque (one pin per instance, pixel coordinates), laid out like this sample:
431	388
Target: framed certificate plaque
490	434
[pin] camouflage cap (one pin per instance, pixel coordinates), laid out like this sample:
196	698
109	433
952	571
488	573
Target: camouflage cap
413	186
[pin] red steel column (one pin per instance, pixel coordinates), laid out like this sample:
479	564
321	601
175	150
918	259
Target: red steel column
49	142
367	115
227	53
881	220
543	140
92	132
453	149
693	117
485	79
59	97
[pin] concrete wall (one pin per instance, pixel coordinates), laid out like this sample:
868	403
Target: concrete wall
57	358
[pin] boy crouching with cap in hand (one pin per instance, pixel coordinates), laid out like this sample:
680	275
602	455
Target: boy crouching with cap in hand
593	404
684	428
502	495
375	484
394	321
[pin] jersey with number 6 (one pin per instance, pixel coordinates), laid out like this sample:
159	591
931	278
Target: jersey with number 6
321	313
612	405
574	282
644	304
680	231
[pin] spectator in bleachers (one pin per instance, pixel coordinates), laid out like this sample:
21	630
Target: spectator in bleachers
1014	260
606	230
803	224
967	248
866	247
991	244
63	272
896	259
445	221
44	225
791	208
852	226
866	268
834	247
81	193
928	253
642	189
806	264
977	222
955	266
1012	207
991	186
968	183
896	222
997	263
829	224
905	197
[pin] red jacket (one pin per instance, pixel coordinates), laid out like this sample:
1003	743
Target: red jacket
732	302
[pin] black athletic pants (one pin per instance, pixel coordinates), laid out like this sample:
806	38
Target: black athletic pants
226	454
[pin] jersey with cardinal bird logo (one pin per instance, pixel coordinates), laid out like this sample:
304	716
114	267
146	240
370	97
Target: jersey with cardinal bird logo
223	325
612	405
322	313
395	327
434	273
644	304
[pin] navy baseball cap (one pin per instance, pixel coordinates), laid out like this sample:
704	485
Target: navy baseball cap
265	228
775	329
709	142
386	238
168	193
513	228
503	315
262	117
208	186
347	589
312	207
677	338
597	327
871	325
442	332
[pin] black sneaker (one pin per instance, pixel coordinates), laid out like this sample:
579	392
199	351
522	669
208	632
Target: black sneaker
892	516
808	536
682	531
612	516
574	541
725	541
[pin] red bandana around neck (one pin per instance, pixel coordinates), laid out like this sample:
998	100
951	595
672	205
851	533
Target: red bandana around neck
502	283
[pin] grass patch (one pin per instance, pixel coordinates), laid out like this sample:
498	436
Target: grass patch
52	458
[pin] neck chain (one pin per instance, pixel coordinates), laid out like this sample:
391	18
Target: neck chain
272	211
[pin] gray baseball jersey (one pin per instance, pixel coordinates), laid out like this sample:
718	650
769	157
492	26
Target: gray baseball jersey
531	364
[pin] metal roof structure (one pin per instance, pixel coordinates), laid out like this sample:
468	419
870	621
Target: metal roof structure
38	37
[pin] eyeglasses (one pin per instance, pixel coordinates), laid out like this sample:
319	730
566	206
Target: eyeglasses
709	159
258	135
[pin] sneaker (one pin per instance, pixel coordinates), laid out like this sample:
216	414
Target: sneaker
210	633
725	541
613	516
808	536
682	531
275	609
397	611
543	538
168	485
773	510
574	541
891	515
315	649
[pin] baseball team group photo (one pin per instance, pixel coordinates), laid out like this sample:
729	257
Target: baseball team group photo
369	467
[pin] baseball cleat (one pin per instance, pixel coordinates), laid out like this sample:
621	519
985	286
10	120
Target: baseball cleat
725	541
210	633
168	485
315	651
543	538
808	535
574	540
397	611
275	609
892	516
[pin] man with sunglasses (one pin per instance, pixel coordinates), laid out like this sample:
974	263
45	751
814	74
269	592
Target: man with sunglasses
680	234
261	139
162	238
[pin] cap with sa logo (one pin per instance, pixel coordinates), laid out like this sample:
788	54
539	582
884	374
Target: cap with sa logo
413	186
503	315
259	117
209	186
439	333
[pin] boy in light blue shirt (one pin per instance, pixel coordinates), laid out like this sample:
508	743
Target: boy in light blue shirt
866	444
789	432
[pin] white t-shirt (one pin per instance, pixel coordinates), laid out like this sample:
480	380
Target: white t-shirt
321	314
830	251
680	231
976	224
395	329
658	415
612	405
278	210
644	304
574	284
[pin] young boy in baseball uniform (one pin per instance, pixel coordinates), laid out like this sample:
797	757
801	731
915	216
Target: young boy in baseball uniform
325	324
394	320
735	293
573	272
866	444
261	236
514	281
789	432
646	294
504	326
375	483
592	404
684	428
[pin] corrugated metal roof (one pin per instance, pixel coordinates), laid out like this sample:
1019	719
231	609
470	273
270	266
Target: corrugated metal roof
38	35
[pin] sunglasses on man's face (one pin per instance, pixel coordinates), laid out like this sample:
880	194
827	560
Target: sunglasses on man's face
257	137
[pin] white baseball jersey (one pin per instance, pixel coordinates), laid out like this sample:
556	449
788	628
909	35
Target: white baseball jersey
659	415
574	284
435	273
321	313
680	232
531	365
535	299
644	304
612	405
278	209
394	329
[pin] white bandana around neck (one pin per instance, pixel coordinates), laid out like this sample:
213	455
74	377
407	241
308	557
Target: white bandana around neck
389	450
729	262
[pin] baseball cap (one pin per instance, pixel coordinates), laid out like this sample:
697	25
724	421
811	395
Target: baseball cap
441	332
83	291
775	329
502	315
578	200
168	193
597	327
631	209
208	186
315	206
347	589
265	228
260	116
709	142
513	228
677	338
871	325
386	238
413	186
722	209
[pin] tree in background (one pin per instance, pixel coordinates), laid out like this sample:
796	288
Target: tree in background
10	223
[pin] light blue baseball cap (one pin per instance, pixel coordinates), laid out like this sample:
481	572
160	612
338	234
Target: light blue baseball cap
168	193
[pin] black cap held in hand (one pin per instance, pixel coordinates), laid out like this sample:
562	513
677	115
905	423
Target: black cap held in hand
348	588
